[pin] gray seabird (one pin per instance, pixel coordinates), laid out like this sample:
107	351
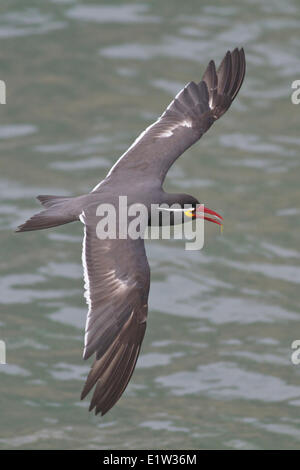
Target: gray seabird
116	272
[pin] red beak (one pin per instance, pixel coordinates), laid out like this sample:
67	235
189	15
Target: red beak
202	211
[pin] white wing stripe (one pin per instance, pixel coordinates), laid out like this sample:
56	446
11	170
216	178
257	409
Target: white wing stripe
84	264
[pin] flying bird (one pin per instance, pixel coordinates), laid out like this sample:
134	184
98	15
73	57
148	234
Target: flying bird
116	271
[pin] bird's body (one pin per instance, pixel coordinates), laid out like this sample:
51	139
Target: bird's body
116	270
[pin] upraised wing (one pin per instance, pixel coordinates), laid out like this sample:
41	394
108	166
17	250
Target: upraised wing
185	120
117	280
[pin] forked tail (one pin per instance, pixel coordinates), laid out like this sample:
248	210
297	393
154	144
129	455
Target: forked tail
58	211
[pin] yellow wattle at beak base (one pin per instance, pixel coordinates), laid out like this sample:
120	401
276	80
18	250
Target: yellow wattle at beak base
189	213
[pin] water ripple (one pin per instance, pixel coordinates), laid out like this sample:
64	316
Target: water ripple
227	380
122	14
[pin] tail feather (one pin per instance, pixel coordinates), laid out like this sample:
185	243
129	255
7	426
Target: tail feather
49	201
56	213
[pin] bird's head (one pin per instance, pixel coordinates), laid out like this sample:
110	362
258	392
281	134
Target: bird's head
186	207
197	210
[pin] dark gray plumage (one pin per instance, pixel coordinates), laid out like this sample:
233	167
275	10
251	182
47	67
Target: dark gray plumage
117	275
